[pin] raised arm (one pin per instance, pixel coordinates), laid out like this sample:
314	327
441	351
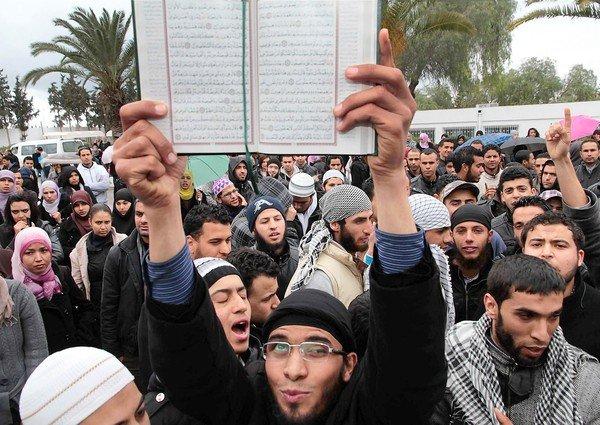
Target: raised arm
404	371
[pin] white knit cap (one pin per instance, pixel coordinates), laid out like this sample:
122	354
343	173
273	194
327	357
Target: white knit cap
302	185
70	385
428	212
333	173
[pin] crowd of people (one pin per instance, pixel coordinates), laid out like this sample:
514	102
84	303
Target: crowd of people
440	283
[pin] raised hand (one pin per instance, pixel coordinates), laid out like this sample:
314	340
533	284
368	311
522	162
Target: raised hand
558	138
144	158
388	106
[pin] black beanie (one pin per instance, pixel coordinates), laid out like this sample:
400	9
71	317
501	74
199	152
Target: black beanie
312	307
213	269
259	205
471	212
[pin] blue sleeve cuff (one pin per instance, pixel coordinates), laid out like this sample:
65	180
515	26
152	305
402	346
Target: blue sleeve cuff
398	253
171	282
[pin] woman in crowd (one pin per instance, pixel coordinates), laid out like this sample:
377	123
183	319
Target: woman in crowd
21	212
77	224
7	187
89	255
51	203
70	181
262	168
532	132
54	173
123	214
23	342
187	193
67	316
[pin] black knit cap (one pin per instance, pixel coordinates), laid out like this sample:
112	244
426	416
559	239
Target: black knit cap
471	212
311	307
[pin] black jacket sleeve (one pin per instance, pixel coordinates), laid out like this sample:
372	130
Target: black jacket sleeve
193	359
405	365
109	304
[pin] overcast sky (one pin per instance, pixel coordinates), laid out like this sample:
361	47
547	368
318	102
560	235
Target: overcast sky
567	42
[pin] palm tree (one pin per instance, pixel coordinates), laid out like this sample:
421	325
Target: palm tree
95	50
579	9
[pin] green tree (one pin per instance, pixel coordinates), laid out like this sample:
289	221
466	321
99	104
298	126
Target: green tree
76	99
22	108
96	50
437	96
56	104
577	9
6	115
534	82
580	85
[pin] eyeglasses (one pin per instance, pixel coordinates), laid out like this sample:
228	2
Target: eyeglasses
230	194
311	351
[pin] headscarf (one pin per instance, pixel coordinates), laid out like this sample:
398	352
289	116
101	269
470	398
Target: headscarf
187	194
82	223
43	285
6	174
50	207
65	174
124	223
429	213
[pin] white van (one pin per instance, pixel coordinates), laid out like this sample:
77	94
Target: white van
51	146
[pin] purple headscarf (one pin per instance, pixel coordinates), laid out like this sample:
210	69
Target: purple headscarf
6	174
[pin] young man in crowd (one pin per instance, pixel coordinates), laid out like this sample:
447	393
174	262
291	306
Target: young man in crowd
329	261
229	196
468	164
425	182
490	177
94	175
239	175
554	199
514	364
525	210
302	189
273	167
477	144
207	230
471	259
588	172
266	221
515	183
526	159
304	166
259	274
445	149
457	193
288	169
540	161
413	163
335	162
359	170
28	168
207	381
123	295
331	179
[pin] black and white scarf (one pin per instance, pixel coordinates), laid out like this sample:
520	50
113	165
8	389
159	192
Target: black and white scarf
473	382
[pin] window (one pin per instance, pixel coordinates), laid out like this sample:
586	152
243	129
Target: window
429	131
454	132
501	128
27	150
71	145
49	148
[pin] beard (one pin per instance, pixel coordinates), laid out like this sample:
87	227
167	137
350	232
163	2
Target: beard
268	247
507	342
321	411
568	277
472	263
349	244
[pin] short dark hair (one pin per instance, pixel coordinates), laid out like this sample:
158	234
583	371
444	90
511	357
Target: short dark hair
443	181
543	155
523	273
200	214
532	201
514	173
369	187
492	147
550	218
21	197
416	150
284	156
446	140
478	142
28	158
589	140
330	157
464	156
96	208
252	264
522	155
360	312
429	151
537	133
83	148
274	160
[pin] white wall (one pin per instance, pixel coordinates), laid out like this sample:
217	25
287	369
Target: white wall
522	116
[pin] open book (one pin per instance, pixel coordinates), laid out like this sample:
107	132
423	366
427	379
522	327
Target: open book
286	58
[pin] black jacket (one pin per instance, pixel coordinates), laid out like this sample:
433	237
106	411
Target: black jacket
468	298
586	178
63	205
122	298
504	227
68	317
401	378
68	235
287	262
359	170
315	216
422	186
245	187
7	238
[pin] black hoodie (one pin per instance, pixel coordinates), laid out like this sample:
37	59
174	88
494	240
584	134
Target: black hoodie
243	186
67	189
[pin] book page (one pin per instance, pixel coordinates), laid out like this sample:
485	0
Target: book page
304	48
201	70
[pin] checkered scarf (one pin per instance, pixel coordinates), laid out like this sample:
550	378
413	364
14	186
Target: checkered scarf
311	246
474	385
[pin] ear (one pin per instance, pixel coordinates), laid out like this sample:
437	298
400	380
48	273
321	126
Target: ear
464	169
580	257
190	241
490	236
335	226
534	191
350	361
491	306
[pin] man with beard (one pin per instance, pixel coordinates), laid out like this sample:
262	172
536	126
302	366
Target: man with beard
267	222
514	364
425	183
470	260
588	172
515	183
302	189
329	259
228	196
238	175
468	164
310	372
207	230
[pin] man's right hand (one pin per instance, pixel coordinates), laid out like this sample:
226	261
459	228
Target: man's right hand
144	158
558	138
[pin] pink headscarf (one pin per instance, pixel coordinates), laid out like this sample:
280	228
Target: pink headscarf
43	285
